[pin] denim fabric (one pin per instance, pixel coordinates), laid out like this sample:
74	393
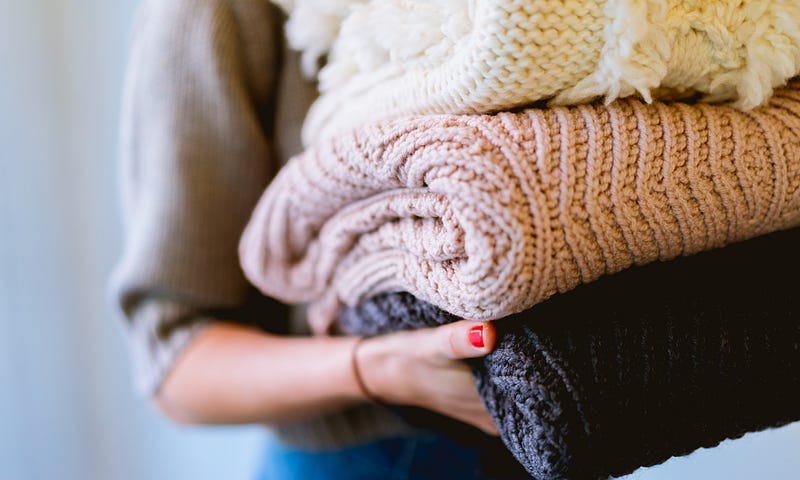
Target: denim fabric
419	457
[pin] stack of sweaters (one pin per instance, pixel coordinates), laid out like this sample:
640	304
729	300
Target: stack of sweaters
438	184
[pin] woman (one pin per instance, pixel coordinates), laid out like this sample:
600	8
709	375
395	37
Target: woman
213	106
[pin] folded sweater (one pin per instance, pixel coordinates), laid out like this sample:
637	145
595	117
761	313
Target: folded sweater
387	58
484	216
637	367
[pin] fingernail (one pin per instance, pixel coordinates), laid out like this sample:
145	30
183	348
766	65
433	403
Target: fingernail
476	336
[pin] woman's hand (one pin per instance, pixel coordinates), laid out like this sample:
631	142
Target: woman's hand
424	368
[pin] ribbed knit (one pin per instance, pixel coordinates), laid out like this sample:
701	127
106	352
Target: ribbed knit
485	216
638	367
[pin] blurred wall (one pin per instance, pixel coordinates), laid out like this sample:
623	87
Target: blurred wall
66	408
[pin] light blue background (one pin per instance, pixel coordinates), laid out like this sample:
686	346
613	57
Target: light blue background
67	410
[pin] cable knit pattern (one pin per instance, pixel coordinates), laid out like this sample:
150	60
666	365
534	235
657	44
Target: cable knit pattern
387	58
485	216
637	367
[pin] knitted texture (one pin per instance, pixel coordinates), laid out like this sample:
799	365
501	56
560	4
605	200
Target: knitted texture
387	58
485	216
628	371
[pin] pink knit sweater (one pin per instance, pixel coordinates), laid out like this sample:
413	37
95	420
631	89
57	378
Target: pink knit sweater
485	216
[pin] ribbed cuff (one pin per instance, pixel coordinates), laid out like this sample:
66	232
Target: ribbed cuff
160	331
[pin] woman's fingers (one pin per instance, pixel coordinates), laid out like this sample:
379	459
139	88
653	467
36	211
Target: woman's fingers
424	368
464	339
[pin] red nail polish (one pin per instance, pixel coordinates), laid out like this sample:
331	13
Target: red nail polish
476	336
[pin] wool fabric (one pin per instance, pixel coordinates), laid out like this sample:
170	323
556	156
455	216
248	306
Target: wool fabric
485	216
387	58
637	367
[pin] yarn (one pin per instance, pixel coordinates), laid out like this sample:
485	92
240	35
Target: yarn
388	58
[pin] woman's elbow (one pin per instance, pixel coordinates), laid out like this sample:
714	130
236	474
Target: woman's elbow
176	409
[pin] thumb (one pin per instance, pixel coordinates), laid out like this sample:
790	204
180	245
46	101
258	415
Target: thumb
464	339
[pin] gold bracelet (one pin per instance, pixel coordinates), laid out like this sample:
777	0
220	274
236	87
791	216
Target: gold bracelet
357	373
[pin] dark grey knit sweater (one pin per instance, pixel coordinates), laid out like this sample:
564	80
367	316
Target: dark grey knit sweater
638	367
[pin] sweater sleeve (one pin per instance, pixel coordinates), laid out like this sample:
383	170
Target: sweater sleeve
195	155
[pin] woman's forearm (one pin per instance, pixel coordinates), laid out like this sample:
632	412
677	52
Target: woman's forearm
234	374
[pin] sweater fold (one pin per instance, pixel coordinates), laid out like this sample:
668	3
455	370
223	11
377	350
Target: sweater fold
486	216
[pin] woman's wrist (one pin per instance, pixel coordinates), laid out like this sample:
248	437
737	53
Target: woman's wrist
364	390
382	370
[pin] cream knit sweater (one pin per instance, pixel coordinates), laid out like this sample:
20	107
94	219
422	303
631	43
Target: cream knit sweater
388	58
485	216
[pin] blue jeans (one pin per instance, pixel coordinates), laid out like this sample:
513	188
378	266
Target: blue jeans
420	457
